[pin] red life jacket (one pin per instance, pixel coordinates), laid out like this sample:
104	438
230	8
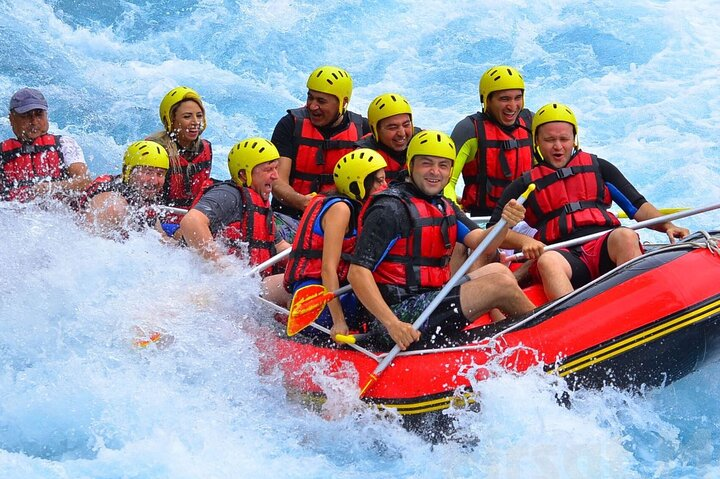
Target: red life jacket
101	184
312	168
395	160
420	261
568	198
500	158
185	184
255	227
306	257
22	165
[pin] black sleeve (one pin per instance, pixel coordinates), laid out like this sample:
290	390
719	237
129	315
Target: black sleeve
222	205
513	190
384	221
611	174
282	137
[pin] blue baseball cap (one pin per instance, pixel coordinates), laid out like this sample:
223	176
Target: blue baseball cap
27	99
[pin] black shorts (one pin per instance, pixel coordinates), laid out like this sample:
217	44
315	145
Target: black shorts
581	273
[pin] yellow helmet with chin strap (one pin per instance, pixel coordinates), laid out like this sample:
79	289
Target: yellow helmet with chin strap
334	81
246	155
352	169
173	98
498	78
431	143
385	106
144	153
553	112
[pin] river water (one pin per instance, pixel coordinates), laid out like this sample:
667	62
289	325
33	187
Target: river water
77	401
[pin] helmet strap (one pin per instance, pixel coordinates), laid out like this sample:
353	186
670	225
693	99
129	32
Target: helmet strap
243	177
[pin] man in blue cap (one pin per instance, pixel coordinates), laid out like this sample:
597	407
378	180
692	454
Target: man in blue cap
36	163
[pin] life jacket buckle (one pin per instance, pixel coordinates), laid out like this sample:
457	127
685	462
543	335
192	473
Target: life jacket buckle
565	172
28	149
572	207
510	144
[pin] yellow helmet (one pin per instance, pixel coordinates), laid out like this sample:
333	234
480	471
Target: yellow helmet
431	143
353	168
333	81
247	154
144	153
555	112
501	77
175	96
385	106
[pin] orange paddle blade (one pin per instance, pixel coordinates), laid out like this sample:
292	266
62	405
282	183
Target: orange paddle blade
307	304
144	342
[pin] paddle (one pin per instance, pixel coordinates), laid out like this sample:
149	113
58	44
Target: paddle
349	339
307	304
269	262
664	211
143	339
636	226
171	209
459	274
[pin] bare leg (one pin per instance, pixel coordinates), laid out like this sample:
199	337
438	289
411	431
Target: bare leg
493	286
556	273
623	245
273	290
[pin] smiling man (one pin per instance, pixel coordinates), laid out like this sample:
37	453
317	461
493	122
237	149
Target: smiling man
494	145
390	118
114	204
574	191
311	140
35	162
407	236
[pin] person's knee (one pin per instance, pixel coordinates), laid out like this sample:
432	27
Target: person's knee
502	278
625	236
624	239
490	278
549	263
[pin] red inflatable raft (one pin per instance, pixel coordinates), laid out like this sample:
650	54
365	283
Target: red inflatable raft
646	323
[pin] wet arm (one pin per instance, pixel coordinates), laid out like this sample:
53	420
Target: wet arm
283	192
334	224
648	211
78	181
195	230
106	213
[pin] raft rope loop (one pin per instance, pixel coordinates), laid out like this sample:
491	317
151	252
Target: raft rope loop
711	243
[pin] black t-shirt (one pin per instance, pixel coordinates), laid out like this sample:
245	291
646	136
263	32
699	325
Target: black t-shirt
283	136
387	219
